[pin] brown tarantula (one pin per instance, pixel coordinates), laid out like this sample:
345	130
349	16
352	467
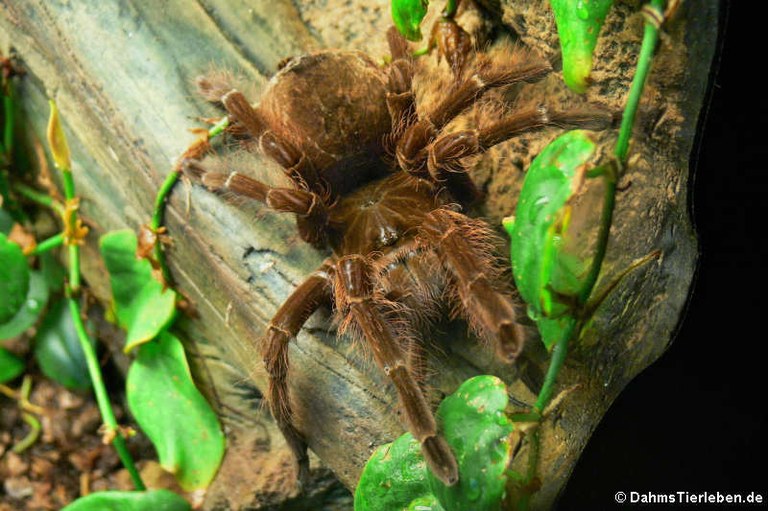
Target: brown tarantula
384	188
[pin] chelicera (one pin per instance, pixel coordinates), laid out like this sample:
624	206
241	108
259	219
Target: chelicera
384	189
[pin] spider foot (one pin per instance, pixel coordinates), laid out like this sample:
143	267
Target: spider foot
302	473
509	343
441	460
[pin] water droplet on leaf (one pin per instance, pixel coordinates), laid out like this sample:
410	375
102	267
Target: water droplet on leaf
473	489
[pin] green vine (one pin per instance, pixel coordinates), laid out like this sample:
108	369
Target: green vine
653	15
158	214
72	237
192	450
548	275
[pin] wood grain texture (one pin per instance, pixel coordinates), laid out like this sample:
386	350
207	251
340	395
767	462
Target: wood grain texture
122	75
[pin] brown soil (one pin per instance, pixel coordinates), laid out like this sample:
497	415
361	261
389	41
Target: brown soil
67	460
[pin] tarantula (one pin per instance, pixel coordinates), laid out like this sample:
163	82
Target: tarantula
383	188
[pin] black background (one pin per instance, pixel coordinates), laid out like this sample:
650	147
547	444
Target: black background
696	419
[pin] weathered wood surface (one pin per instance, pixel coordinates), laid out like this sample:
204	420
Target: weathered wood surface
122	74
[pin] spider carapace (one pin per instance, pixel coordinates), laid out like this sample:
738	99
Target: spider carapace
383	187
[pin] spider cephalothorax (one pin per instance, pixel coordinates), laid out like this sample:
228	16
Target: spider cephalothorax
383	188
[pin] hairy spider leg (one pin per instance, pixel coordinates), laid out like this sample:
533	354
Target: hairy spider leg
314	292
355	294
401	101
399	51
447	151
297	166
308	206
460	244
411	150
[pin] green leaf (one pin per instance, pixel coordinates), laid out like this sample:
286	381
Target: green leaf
474	424
155	500
394	476
578	24
53	271
477	429
34	304
426	503
542	217
143	307
554	330
407	16
11	366
174	415
554	234
58	351
14	279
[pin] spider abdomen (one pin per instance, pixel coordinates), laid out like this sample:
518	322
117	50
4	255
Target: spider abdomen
329	105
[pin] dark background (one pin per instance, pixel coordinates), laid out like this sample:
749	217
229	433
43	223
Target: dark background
696	419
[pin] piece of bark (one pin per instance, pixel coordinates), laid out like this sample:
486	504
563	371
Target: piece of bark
122	76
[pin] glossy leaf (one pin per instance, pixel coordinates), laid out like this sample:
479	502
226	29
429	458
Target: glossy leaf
142	306
477	429
174	414
578	25
554	330
407	16
155	500
11	366
14	279
394	477
541	218
28	314
58	351
426	503
554	234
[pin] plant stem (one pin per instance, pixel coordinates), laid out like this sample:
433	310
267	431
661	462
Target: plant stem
34	424
31	437
102	398
559	352
218	128
8	112
157	220
74	248
451	6
595	302
38	197
653	12
162	196
606	219
24	403
49	244
57	140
